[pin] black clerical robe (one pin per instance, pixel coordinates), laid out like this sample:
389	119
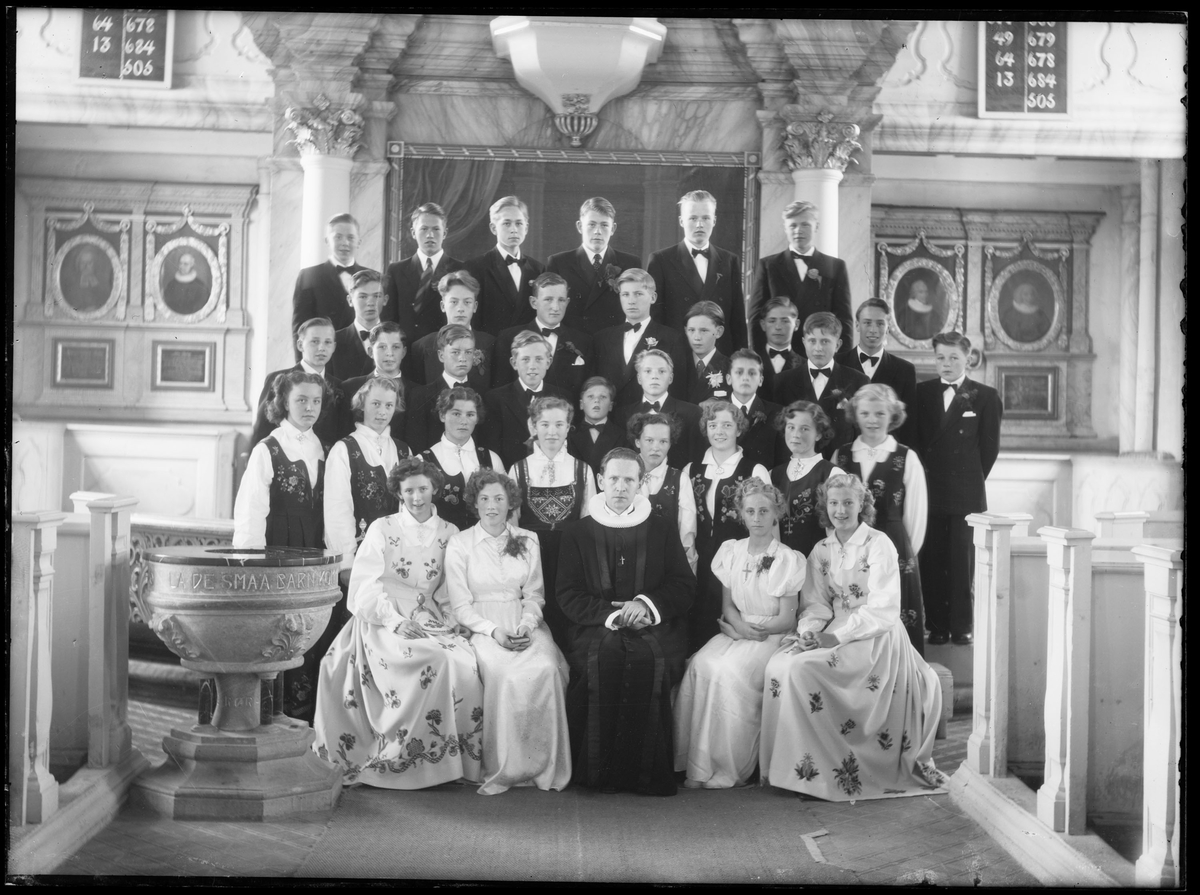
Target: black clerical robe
619	696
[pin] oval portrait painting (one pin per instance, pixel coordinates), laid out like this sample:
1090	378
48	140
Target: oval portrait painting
186	280
1026	306
86	277
920	304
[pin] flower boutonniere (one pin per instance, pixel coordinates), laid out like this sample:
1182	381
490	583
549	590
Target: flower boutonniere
651	341
515	547
570	346
715	379
814	274
477	358
757	418
843	402
611	273
965	395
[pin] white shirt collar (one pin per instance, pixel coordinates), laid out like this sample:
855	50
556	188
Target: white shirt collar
708	357
505	253
539	454
538	391
309	368
541	324
957	383
378	438
828	368
640	324
737	402
659	471
859	446
336	263
587	250
292	433
691	245
798	468
437	259
660	400
716	470
479	535
877	357
450	381
409	521
637	513
807	254
468	446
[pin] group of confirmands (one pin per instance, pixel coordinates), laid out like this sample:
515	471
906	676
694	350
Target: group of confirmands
552	485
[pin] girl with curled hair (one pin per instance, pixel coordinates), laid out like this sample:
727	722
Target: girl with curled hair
456	454
806	429
669	492
896	479
497	590
714	481
717	712
400	702
556	488
280	500
850	709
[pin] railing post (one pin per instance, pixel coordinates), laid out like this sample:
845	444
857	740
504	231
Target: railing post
1128	526
1159	864
109	736
1062	798
987	747
33	796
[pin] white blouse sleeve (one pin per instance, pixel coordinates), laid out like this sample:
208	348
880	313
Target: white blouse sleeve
687	520
722	563
366	597
761	473
459	587
816	604
916	501
441	593
882	609
253	501
589	489
787	573
533	588
339	505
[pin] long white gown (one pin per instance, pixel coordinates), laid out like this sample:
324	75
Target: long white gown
394	712
858	720
719	707
525	738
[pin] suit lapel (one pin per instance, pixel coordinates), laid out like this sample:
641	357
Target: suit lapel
504	279
687	267
592	285
787	271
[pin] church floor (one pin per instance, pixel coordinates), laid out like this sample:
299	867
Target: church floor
751	835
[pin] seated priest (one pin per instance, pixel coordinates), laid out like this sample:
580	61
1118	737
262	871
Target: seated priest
625	586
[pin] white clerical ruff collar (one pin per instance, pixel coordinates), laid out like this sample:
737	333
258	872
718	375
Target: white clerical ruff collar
638	512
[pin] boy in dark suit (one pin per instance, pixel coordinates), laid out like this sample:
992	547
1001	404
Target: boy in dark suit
813	280
881	366
762	443
822	380
321	289
655	371
411	283
598	432
505	427
458	302
695	270
709	374
456	354
316	346
958	439
778	323
617	346
387	349
591	271
350	357
571	362
505	273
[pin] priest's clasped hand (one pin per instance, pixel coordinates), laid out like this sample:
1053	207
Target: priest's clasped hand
634	614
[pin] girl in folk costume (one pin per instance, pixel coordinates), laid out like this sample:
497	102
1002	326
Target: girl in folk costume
714	482
280	502
669	491
805	429
897	482
556	489
850	710
719	707
494	576
456	454
400	705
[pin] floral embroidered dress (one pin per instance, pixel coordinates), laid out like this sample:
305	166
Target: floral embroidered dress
718	711
498	581
858	720
798	480
714	486
897	482
393	712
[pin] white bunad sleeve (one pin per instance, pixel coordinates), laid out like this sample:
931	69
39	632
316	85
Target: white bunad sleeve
687	521
533	588
816	600
882	609
916	501
339	506
253	501
787	573
366	597
458	554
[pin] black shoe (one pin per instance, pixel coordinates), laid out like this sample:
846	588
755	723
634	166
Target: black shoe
963	639
937	638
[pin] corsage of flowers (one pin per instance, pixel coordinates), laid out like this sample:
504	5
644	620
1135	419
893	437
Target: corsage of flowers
651	342
716	379
612	273
765	562
814	274
514	547
477	358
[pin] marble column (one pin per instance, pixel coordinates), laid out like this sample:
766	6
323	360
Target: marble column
818	152
33	793
1147	311
326	193
820	187
854	234
1128	345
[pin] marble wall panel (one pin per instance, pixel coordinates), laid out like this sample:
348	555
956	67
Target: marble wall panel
1038	484
37	452
1030	588
1119	484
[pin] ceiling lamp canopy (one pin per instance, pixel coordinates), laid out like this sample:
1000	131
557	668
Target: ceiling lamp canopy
576	64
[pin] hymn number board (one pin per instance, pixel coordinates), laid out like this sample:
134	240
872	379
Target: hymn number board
1023	71
132	46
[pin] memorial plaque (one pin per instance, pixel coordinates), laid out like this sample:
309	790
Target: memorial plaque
183	366
1023	70
1029	393
83	363
133	46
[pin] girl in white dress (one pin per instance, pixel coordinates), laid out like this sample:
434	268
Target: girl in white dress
850	709
494	575
718	710
400	701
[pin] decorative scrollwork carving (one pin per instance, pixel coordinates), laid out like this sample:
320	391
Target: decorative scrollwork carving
141	540
324	130
820	143
292	635
578	103
171	633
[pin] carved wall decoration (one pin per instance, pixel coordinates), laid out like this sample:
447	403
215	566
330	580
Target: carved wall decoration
87	265
922	282
1026	301
187	272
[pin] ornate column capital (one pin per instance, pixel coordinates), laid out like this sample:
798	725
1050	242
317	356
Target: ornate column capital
324	129
823	143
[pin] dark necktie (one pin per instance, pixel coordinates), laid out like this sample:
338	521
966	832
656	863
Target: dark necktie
596	264
339	269
596	426
797	255
865	358
696	253
700	367
816	373
650	407
366	336
509	259
548	332
531	395
951	386
632	327
773	353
